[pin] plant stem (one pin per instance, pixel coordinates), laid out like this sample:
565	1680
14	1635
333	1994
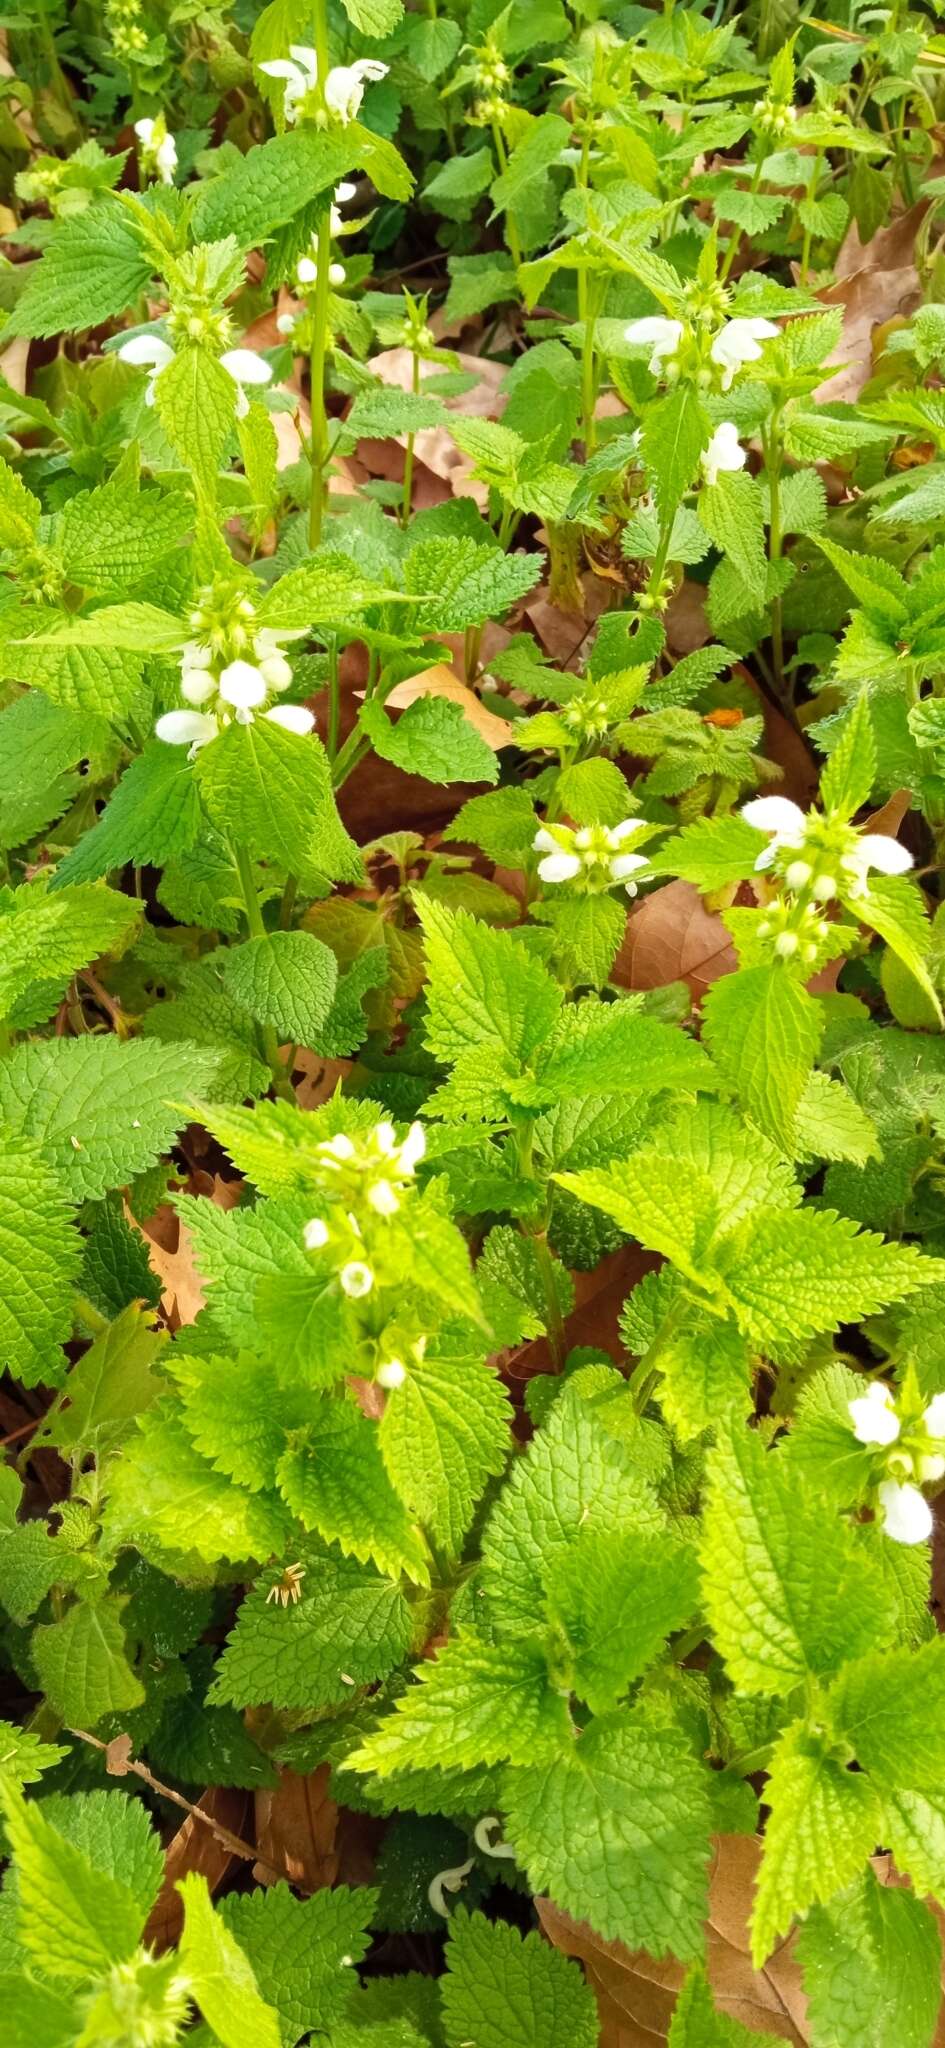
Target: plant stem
408	457
511	231
86	1312
735	242
554	1320
773	459
334	697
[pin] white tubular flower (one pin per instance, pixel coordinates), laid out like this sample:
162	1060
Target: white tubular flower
724	452
412	1151
344	86
300	71
873	850
158	148
560	867
624	865
340	197
294	717
338	1148
873	1415
737	343
285	323
356	1279
245	367
662	335
383	1198
907	1517
191	729
147	352
785	821
243	686
315	1235
391	1374
306	270
336	274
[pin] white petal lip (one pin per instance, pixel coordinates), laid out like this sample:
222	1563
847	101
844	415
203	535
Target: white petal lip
196	685
662	332
934	1417
737	342
146	352
243	686
186	728
545	841
907	1517
626	830
246	366
624	864
724	451
877	850
874	1417
293	717
776	814
315	1234
144	128
306	270
559	867
413	1148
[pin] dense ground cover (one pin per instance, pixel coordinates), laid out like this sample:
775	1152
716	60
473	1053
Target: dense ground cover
472	1073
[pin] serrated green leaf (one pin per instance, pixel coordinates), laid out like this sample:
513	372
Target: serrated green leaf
763	1030
616	1598
333	1478
711	853
472	582
113	1381
350	1627
443	1434
823	1824
165	1497
110	538
731	512
72	1918
872	1968
83	1663
100	1111
40	1255
302	1951
808	1598
507	1990
195	399
221	1977
47	938
675	430
91	271
618	1833
272	790
153	816
697	2024
286	979
484	989
473	1703
433	738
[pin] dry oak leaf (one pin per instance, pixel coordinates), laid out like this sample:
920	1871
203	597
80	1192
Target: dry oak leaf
195	1847
296	1827
671	936
440	681
875	284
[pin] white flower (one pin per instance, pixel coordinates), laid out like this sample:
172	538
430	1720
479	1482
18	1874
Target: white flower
190	729
391	1374
873	850
413	1148
293	717
663	336
338	1148
873	1415
724	452
243	686
341	195
300	71
907	1517
286	323
624	865
306	270
162	151
344	87
786	822
356	1279
560	867
737	343
383	1198
148	351
336	274
315	1235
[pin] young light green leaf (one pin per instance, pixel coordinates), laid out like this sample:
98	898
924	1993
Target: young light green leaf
507	1990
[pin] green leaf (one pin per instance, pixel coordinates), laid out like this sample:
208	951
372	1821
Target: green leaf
541	145
830	1124
791	1276
131	628
24	1758
463	581
350	1627
824	1822
71	1918
116	1835
507	1990
376	414
286	979
98	1109
40	1255
83	1663
34	2014
46	938
872	1968
165	1497
152	816
617	1831
874	582
697	2024
787	1589
373	17
675	430
277	178
97	682
895	909
333	1478
473	1703
731	512
112	1383
443	1434
433	738
322	591
195	398
460	179
302	1951
221	1977
112	537
20	512
271	789
616	1598
483	990
763	1030
29	1560
91	271
599	1048
892	1707
850	773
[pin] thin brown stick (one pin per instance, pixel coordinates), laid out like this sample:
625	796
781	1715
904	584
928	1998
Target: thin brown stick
119	1761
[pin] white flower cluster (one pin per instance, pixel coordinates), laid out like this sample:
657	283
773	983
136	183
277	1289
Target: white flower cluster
232	673
907	1517
735	344
158	150
343	88
149	352
828	851
306	269
378	1168
596	854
